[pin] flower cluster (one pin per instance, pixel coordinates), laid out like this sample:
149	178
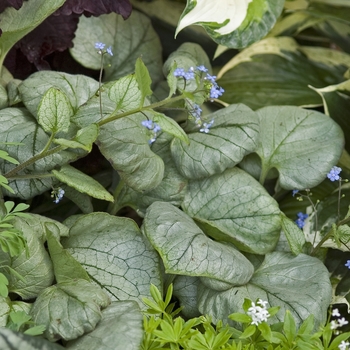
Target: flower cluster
100	47
337	323
301	219
57	194
344	345
333	174
258	313
153	127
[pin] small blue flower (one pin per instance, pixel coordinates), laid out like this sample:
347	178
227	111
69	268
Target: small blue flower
301	219
196	111
109	51
348	264
216	91
206	127
202	69
189	75
154	127
57	194
333	174
100	46
148	124
179	72
294	192
211	78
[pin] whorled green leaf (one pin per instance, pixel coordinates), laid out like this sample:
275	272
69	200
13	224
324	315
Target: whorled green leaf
233	135
15	24
119	329
129	40
54	111
82	182
336	102
186	250
115	255
19	126
33	264
299	284
172	188
16	340
69	309
233	23
78	88
302	145
234	207
277	71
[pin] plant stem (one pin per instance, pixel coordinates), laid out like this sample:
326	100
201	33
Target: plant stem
115	205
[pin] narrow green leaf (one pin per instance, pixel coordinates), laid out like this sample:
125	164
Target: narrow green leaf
143	80
54	111
5	155
66	268
82	182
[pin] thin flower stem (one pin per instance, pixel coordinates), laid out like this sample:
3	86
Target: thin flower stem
100	84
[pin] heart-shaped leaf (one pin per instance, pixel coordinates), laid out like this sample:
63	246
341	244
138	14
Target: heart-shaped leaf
231	206
69	309
186	250
129	40
115	255
233	135
299	284
119	329
302	145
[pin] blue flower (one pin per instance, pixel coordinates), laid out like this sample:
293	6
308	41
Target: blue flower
294	192
179	72
301	219
348	264
333	174
109	51
202	69
154	127
100	46
148	124
196	111
216	91
58	194
206	127
211	78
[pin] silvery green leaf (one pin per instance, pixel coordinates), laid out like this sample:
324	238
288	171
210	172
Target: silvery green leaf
186	250
5	309
294	235
234	134
230	206
302	145
119	329
14	340
54	111
115	255
129	40
299	284
69	309
78	88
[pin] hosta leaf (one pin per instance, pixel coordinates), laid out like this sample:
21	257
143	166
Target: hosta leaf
186	250
299	284
78	88
233	135
235	23
115	255
230	206
277	71
69	309
129	40
119	329
302	145
54	111
82	182
16	340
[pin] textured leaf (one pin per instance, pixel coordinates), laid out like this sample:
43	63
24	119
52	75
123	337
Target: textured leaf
69	309
295	236
115	255
302	145
54	111
119	329
129	40
15	24
186	250
144	80
15	340
234	23
233	135
299	284
172	189
231	206
277	71
82	182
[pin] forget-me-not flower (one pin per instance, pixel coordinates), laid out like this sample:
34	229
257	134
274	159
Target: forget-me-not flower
206	127
152	126
301	219
348	264
333	174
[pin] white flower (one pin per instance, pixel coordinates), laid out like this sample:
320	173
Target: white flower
343	345
335	312
342	322
257	313
334	324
